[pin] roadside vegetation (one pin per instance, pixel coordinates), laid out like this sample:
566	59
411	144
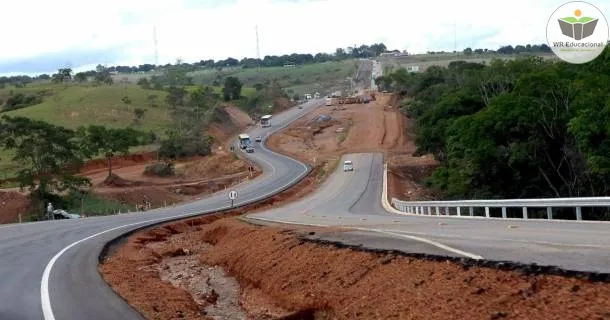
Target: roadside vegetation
522	128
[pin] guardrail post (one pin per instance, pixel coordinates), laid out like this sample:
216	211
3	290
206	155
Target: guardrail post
524	212
447	211
429	211
487	212
578	213
417	210
458	211
471	211
504	212
437	211
549	213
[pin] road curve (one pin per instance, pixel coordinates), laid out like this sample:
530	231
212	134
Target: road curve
48	270
353	199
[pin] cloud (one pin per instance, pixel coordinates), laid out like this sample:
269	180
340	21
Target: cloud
49	63
216	29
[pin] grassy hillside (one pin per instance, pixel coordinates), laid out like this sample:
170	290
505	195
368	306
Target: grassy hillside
321	77
425	61
75	105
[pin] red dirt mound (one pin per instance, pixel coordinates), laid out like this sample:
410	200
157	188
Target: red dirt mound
119	161
11	205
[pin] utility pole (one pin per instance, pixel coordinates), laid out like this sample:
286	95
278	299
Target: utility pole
455	37
155	45
258	53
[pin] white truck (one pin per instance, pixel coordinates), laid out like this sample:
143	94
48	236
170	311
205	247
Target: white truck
266	121
244	141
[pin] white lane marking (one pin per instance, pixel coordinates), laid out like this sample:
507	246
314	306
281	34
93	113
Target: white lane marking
428	241
45	296
433	243
545	243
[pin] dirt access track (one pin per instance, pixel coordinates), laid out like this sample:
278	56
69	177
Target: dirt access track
218	267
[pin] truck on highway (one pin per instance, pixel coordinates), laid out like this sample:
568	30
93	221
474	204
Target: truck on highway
329	101
244	141
266	121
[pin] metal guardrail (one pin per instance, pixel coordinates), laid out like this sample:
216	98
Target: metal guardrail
451	207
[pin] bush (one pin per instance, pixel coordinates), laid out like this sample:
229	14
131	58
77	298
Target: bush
161	169
20	100
175	146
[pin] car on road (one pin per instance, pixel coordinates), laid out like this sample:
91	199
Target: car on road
348	165
249	149
300	107
258	139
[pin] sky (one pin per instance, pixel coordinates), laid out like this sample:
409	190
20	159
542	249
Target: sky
83	33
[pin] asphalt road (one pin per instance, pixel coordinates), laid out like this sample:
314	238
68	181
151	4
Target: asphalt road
48	270
353	199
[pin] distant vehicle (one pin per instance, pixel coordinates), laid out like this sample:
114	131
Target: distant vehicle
308	96
348	165
300	107
244	141
258	139
249	149
329	102
62	214
266	121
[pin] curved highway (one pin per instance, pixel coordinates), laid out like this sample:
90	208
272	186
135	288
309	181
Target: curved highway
353	200
48	270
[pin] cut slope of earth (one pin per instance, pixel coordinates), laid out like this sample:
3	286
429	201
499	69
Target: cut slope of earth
280	275
330	131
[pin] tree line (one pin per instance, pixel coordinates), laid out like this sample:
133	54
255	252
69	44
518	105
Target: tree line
523	128
505	50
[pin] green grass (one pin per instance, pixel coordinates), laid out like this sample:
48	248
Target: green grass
321	77
425	61
75	105
97	206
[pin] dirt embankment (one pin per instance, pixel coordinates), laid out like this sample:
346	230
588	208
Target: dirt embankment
330	131
281	276
13	204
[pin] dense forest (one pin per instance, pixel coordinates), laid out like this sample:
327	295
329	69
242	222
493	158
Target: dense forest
523	128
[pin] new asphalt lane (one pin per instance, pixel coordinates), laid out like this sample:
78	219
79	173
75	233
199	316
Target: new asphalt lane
48	270
353	199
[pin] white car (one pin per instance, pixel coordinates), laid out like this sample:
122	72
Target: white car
348	165
258	139
249	149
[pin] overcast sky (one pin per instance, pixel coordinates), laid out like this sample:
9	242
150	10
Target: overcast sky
40	35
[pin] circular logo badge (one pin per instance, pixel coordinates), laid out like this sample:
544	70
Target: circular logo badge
577	32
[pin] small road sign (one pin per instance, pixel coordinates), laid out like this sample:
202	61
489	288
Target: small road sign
232	194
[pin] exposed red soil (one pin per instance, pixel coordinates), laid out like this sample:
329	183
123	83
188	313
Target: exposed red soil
12	204
374	127
295	275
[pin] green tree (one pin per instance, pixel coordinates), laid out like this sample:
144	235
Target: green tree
80	77
144	83
232	88
139	114
99	140
49	157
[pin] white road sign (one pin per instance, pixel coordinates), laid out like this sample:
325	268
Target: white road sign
232	194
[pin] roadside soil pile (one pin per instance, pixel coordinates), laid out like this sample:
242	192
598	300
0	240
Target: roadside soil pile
11	205
270	273
330	131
